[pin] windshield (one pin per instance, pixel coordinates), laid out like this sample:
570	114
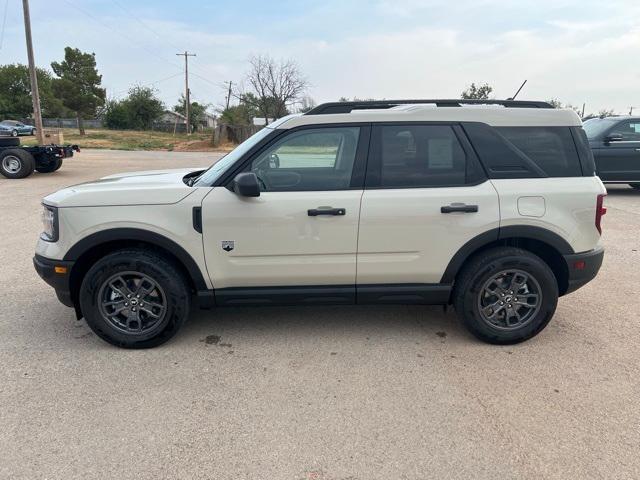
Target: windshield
596	126
217	169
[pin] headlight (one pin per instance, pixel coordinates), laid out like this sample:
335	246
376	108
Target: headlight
49	224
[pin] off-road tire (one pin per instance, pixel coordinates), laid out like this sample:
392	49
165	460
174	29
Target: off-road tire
16	163
126	262
50	167
481	269
635	186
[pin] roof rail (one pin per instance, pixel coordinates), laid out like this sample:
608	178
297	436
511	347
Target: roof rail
347	107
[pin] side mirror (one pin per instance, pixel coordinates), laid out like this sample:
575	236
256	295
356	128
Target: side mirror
246	185
613	137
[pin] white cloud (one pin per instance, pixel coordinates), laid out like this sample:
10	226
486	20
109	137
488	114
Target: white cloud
567	49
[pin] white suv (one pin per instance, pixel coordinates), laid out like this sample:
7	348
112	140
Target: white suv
491	206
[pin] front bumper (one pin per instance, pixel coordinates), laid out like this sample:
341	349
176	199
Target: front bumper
56	273
583	267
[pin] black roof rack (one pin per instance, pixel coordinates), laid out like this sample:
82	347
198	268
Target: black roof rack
346	107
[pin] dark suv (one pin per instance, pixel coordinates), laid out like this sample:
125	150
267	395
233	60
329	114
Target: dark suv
615	142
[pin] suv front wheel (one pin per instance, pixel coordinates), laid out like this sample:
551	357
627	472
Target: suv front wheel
134	299
506	295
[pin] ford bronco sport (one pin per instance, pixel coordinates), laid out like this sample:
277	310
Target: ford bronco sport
491	206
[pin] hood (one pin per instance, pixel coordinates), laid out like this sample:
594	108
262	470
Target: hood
153	187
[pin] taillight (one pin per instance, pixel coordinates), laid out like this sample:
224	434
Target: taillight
600	211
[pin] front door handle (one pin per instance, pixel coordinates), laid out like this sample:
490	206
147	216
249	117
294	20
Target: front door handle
459	207
314	212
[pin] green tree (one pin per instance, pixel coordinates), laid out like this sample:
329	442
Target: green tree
477	92
138	111
238	115
78	84
15	93
143	107
196	111
116	115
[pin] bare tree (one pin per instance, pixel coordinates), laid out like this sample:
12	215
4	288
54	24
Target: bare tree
273	86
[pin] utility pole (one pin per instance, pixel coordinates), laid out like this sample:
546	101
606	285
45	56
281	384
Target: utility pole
35	96
229	94
186	87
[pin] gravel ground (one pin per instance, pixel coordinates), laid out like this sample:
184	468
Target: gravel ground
319	393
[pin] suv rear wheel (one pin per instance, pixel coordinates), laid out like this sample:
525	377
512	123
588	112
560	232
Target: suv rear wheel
635	185
134	299
506	295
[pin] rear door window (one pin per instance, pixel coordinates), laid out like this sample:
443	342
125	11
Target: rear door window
414	156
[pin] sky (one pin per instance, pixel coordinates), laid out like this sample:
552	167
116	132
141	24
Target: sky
576	51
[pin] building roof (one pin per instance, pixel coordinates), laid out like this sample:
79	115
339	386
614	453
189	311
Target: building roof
176	114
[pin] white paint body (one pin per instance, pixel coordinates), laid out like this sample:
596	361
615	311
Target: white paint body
386	236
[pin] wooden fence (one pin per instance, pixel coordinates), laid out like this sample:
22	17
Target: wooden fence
224	134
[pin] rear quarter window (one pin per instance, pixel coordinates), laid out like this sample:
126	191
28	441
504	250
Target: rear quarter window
552	149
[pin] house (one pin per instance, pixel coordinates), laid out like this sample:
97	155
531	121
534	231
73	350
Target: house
209	120
169	116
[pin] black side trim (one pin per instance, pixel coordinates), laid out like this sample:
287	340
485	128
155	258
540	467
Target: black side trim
455	264
120	234
504	233
311	295
419	293
591	262
537	233
410	293
197	219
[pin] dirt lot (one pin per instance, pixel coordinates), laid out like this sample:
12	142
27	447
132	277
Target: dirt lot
314	393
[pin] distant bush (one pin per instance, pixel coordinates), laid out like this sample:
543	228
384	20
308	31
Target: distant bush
138	111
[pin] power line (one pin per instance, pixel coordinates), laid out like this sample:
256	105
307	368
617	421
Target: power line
144	24
154	32
4	22
149	84
129	39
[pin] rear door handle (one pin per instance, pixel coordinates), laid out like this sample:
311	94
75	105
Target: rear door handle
459	207
314	212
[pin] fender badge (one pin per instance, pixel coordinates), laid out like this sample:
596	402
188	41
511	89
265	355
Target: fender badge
228	245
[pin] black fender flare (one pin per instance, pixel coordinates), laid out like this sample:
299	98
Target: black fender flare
516	231
136	234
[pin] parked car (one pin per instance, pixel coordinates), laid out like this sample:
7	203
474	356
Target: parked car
17	128
615	142
495	210
7	131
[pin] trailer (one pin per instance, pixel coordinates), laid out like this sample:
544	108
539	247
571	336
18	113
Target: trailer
17	161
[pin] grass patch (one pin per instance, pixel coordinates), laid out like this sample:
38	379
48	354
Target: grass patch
133	140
